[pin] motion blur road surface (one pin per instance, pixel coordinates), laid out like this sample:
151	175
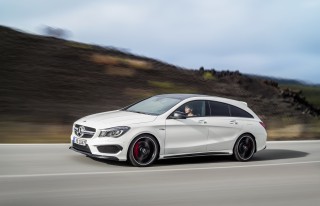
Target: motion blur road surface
287	173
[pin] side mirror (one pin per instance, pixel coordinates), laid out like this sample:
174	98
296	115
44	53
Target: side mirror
179	115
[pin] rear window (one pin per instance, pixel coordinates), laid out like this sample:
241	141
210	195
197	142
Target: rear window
237	112
219	109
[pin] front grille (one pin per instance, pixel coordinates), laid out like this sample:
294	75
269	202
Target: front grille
88	132
82	148
112	149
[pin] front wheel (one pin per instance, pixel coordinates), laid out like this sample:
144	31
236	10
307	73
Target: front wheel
244	148
143	151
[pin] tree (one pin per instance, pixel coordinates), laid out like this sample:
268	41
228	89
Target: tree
55	32
201	70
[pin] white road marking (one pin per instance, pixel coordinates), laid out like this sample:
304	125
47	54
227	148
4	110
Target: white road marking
33	144
42	144
158	170
295	141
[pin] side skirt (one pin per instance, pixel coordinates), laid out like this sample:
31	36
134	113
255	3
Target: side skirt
197	154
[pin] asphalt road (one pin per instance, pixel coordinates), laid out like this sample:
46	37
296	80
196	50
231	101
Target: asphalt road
287	173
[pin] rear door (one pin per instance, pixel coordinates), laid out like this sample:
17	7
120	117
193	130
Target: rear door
223	128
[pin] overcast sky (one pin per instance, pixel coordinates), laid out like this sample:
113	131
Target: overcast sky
279	38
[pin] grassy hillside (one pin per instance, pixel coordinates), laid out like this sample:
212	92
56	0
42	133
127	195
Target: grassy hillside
310	92
47	83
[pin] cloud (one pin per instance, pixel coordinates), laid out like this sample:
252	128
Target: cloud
278	38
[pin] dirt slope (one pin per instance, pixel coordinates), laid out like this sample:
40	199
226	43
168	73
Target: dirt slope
44	79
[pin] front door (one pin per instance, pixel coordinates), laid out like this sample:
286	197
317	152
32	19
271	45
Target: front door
190	135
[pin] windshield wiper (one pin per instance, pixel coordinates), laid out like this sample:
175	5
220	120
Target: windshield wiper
140	112
134	111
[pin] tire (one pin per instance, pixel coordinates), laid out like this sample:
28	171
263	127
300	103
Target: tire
143	151
244	148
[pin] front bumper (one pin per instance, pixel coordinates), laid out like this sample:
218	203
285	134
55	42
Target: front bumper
88	153
104	148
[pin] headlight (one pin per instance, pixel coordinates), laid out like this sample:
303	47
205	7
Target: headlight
113	132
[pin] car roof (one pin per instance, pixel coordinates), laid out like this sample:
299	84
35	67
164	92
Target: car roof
205	97
182	96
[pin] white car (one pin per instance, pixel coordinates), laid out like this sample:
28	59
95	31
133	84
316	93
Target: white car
171	126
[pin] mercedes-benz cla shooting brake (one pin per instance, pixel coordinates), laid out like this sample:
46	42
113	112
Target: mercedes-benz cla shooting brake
169	126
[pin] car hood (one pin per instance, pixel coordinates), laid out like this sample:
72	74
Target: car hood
114	118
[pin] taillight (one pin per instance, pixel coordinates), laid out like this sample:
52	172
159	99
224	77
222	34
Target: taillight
263	124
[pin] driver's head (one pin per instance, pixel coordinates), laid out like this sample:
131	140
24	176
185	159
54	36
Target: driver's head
188	109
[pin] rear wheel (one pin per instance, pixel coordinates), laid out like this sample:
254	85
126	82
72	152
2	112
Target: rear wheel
244	148
143	151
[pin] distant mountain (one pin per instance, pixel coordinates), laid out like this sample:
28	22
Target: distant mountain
283	81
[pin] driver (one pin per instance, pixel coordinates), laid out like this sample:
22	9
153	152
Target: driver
188	109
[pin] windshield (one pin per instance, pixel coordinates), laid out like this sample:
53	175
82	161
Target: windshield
154	105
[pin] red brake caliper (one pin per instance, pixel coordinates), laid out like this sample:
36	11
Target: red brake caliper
136	150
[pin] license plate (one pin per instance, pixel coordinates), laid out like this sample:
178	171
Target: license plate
79	141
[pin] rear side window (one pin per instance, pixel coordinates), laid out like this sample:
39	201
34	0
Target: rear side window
237	112
219	109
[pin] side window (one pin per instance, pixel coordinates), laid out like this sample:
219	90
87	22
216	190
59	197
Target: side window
237	112
195	108
219	109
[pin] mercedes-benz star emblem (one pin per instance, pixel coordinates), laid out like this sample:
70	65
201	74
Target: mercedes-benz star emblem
81	131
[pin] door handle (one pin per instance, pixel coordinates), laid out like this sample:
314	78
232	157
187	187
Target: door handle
202	121
233	122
